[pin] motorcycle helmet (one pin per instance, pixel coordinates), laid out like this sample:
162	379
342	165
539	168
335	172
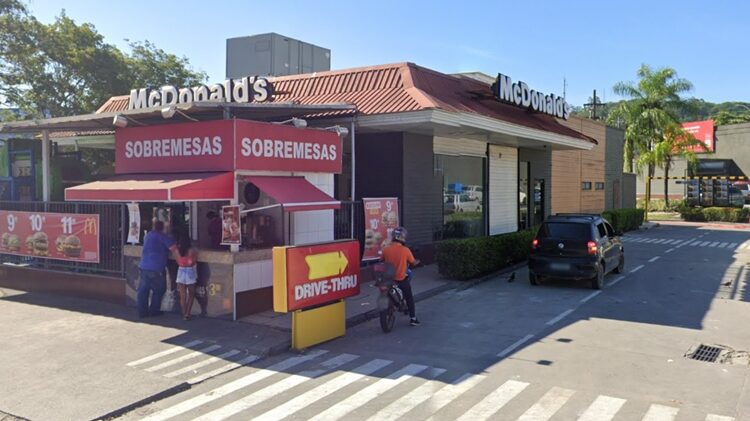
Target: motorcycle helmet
399	234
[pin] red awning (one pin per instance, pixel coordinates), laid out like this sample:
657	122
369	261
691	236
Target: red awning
156	188
294	193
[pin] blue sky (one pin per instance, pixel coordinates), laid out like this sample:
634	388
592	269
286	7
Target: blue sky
592	44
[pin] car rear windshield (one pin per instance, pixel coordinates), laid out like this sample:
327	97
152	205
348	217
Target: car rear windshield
567	230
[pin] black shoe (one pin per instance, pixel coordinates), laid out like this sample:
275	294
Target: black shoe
414	321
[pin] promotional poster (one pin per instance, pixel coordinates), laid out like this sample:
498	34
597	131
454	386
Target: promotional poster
230	225
381	217
60	236
134	224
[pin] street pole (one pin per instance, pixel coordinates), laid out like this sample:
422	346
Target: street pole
648	199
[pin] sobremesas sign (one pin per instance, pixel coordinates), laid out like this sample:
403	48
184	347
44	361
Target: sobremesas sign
246	89
519	94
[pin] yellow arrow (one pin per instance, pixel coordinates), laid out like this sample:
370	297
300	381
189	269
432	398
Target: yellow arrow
326	264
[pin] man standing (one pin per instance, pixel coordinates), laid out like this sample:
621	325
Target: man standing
156	248
214	229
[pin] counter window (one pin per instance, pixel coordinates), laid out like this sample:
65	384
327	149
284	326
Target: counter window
463	196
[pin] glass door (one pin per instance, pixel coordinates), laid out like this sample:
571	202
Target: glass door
523	195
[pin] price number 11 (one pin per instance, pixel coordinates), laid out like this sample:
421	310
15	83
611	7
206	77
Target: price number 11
67	224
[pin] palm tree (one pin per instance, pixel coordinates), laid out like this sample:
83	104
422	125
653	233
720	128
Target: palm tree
648	114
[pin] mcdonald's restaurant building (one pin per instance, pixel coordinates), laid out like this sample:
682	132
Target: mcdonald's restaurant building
466	155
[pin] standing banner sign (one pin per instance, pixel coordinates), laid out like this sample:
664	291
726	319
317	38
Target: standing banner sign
134	226
230	225
381	217
60	236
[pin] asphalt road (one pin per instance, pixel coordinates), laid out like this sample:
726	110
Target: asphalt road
503	350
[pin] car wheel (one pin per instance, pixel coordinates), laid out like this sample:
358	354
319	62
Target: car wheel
621	266
533	278
597	282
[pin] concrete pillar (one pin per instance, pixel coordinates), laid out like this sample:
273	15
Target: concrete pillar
46	182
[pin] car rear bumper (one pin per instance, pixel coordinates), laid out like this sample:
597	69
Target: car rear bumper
566	268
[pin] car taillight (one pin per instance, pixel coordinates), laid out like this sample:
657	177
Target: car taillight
592	247
534	244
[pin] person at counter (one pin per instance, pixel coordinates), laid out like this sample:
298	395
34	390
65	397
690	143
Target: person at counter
214	229
156	248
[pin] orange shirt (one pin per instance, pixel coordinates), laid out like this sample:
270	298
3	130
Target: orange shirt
399	256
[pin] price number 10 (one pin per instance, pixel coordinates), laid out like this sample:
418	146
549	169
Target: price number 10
36	222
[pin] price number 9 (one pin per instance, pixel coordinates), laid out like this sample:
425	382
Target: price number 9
11	222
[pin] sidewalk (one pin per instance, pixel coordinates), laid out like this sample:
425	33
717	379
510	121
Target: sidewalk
68	358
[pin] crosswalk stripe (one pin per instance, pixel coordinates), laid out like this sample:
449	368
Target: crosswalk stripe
186	357
603	408
163	353
722	245
659	241
370	392
732	245
411	400
275	389
492	403
653	259
694	243
714	244
223	369
233	386
651	240
705	243
547	405
207	361
714	417
452	391
325	389
670	242
660	413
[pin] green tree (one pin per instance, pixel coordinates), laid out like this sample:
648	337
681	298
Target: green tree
649	116
724	117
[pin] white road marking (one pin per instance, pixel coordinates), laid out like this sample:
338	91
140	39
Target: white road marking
636	269
618	279
603	408
452	391
203	363
653	259
547	405
406	403
223	369
659	241
668	250
694	243
660	413
651	240
163	353
722	245
732	245
325	389
511	348
275	389
590	296
705	243
714	417
186	357
341	409
485	408
714	244
559	317
233	386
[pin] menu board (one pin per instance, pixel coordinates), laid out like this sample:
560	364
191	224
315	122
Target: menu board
381	217
61	236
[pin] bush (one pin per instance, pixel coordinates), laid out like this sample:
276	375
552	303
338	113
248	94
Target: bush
624	219
658	205
468	258
714	214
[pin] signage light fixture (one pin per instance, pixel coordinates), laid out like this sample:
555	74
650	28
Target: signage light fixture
340	130
121	120
169	112
299	123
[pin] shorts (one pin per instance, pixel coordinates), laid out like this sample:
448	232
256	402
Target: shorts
187	275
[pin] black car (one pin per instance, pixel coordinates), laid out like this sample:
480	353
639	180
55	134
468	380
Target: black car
576	246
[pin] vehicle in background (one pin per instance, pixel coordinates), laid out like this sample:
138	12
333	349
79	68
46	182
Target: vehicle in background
460	203
474	192
576	246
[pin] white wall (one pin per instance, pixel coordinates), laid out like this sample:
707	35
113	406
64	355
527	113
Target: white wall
253	275
503	189
314	226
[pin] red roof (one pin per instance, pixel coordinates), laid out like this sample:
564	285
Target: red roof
294	193
156	188
396	88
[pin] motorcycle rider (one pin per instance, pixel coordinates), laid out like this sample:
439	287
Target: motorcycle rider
398	255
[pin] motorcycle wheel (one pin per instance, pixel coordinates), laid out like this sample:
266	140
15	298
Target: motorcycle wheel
388	318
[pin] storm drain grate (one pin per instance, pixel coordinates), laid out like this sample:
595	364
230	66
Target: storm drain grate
705	353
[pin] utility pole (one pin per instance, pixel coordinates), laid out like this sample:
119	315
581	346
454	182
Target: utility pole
593	106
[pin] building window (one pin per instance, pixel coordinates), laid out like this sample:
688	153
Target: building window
586	185
599	185
464	212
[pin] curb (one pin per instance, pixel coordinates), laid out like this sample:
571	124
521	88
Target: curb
145	401
648	225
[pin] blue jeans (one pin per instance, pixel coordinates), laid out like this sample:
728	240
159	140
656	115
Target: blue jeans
151	281
405	286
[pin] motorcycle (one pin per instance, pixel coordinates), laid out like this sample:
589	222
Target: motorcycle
391	298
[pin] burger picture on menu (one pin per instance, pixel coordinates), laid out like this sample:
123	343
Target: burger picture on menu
13	243
4	240
389	218
72	246
41	244
30	243
59	242
372	238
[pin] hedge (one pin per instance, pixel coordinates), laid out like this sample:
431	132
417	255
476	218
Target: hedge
468	258
624	219
712	214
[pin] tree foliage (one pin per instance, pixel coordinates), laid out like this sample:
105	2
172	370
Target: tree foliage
65	68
